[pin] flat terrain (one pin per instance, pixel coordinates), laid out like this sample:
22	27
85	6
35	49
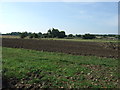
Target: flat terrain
36	69
100	49
64	39
33	64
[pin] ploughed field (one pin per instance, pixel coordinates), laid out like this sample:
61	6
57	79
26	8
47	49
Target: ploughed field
101	49
32	70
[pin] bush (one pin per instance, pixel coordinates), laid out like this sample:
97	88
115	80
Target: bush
78	35
88	36
22	35
31	36
70	35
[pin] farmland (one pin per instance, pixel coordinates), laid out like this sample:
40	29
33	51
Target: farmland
63	44
35	69
64	39
76	48
33	64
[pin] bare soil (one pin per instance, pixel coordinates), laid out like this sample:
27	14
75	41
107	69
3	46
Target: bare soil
100	49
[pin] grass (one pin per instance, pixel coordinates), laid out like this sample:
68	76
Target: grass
74	39
57	70
9	36
82	40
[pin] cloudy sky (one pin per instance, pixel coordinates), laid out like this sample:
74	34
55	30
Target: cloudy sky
72	17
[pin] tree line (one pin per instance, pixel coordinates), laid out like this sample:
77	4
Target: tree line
51	33
55	33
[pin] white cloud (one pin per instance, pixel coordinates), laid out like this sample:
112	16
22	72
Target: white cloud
6	28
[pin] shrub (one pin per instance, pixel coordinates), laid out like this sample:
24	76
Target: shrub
31	36
88	36
22	35
70	35
35	35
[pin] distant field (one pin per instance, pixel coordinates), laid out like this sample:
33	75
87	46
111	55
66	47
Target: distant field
9	36
75	39
36	69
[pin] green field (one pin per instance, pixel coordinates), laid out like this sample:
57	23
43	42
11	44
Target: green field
56	70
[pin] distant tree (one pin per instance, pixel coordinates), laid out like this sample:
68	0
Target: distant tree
105	35
49	31
77	35
23	35
49	34
62	34
35	35
70	35
31	35
14	33
88	36
39	35
45	35
26	33
55	32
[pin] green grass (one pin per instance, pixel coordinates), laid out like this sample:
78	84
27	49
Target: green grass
57	70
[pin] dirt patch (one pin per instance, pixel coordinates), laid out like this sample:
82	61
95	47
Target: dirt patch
102	75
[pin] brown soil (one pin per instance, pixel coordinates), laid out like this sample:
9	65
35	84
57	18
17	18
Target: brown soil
109	50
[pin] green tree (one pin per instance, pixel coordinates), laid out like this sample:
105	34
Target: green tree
23	35
77	35
62	34
45	35
88	36
70	35
49	31
31	35
35	35
55	32
40	35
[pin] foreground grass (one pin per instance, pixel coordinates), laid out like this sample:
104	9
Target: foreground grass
33	69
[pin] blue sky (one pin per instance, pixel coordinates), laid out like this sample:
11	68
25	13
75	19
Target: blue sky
72	17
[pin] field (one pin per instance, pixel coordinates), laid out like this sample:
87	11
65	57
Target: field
76	48
64	39
34	69
59	64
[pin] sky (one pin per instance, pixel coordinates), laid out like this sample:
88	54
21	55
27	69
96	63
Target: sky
71	17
